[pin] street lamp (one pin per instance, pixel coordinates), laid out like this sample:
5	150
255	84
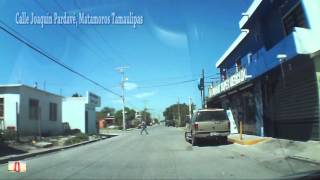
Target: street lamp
282	58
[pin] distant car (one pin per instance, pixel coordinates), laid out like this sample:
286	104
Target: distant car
170	123
207	123
113	127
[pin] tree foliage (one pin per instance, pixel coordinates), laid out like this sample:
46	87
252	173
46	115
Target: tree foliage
130	115
76	95
172	113
146	116
104	112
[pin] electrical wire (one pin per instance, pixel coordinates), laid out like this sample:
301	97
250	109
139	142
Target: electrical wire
100	35
74	36
168	84
172	83
49	57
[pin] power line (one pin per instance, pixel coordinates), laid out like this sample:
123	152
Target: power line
173	78
169	84
101	36
53	59
172	83
74	36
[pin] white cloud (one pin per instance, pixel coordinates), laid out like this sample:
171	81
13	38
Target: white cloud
171	38
116	101
145	94
130	86
119	100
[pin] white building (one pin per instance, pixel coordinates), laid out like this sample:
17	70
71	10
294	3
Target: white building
80	112
30	111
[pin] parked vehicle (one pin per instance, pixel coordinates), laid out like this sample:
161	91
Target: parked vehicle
207	123
170	123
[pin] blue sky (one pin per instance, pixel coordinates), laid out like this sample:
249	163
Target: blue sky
176	40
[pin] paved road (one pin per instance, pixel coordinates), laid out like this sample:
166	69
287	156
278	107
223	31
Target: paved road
163	154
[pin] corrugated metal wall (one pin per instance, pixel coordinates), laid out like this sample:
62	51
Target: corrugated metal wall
295	106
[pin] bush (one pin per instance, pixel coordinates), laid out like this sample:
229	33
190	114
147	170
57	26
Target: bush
77	139
72	131
6	135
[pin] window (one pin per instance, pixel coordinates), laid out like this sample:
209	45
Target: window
295	18
53	112
1	108
212	116
34	109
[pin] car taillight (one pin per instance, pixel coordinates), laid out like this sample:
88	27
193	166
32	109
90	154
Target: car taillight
196	126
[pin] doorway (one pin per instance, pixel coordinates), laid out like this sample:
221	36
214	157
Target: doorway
86	122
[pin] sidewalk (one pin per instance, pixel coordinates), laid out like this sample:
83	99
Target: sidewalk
15	157
114	132
306	151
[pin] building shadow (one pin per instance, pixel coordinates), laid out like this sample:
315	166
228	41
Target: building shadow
5	150
212	142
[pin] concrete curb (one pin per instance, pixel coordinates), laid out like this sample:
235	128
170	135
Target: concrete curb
5	159
246	141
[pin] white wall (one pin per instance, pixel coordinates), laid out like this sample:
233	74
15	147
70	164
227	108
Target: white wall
10	101
73	112
22	94
46	125
74	109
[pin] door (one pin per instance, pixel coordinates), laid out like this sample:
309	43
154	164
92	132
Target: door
2	125
86	122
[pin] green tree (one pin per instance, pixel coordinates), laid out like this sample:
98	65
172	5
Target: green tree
156	120
146	116
130	115
104	112
172	113
76	95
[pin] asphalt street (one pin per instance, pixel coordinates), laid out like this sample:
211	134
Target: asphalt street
163	154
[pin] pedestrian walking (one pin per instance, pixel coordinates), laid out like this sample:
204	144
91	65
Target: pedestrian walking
143	127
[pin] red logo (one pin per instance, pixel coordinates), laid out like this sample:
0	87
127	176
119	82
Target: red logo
17	166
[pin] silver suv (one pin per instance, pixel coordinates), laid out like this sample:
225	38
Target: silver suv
207	123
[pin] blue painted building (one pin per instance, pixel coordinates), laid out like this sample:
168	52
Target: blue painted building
270	73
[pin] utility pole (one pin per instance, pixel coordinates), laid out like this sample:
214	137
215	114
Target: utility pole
203	91
190	108
179	116
121	70
201	88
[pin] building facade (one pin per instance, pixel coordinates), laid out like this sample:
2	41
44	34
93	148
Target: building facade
80	112
30	111
270	73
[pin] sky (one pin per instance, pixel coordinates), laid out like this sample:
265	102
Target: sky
178	38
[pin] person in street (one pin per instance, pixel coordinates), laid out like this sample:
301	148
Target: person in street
143	127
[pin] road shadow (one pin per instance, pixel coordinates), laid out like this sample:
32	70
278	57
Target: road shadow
5	150
213	142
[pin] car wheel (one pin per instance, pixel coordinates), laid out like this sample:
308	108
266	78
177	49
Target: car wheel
224	139
185	136
194	141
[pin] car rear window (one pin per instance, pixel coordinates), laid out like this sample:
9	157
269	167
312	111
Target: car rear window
212	116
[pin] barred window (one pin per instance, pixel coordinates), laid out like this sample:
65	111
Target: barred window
53	111
1	108
33	109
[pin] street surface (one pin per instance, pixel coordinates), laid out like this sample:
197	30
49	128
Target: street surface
163	154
